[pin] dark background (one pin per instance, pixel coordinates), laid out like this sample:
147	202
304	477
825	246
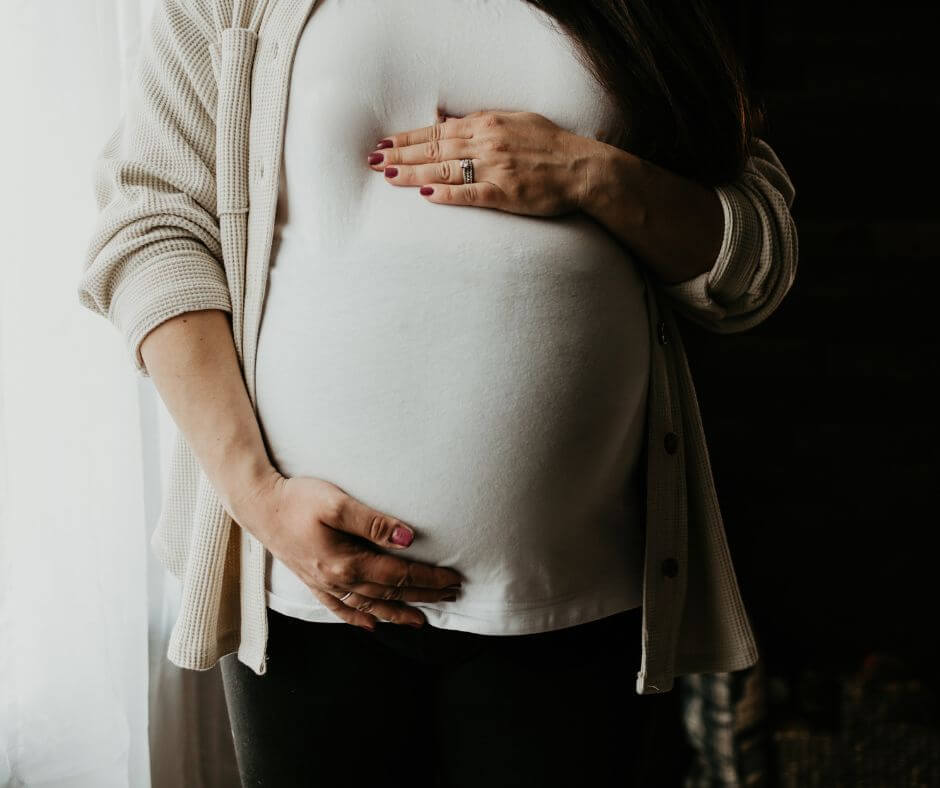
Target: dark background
821	421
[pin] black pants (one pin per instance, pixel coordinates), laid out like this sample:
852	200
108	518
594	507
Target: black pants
430	707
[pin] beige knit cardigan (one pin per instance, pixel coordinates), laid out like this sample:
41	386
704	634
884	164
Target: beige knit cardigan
186	188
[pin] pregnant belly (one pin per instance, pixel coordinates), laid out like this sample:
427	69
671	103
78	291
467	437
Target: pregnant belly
488	389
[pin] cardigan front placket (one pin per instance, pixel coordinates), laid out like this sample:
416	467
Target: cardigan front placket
208	623
272	66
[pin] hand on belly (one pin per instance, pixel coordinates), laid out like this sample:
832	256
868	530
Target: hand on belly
523	163
327	538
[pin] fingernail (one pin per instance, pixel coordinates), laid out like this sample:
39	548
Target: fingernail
375	158
391	172
402	536
386	143
426	190
416	624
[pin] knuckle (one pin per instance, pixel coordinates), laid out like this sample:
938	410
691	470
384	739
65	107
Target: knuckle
335	506
366	605
445	170
436	131
497	145
432	149
322	578
490	120
406	578
393	593
332	588
343	573
380	529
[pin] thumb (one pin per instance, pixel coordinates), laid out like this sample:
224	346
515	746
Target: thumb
354	517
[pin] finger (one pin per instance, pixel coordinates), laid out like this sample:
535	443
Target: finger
422	153
483	194
448	171
389	570
454	127
406	593
353	516
348	614
394	612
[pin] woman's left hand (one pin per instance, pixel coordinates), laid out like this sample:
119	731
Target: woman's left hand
522	162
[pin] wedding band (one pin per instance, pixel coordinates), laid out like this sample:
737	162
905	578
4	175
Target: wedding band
467	166
344	596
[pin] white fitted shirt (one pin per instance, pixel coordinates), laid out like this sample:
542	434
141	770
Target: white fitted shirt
479	374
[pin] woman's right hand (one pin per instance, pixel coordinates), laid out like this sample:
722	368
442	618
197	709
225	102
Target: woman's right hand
325	537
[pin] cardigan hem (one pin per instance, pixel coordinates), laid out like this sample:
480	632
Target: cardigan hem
225	645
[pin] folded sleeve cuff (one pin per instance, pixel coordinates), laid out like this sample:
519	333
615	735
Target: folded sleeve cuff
741	242
707	297
166	286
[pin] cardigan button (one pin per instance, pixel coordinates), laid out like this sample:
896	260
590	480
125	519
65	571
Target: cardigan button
671	442
661	332
670	567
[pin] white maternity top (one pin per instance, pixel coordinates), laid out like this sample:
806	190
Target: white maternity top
479	374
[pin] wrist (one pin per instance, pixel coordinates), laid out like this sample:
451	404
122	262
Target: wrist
611	190
244	488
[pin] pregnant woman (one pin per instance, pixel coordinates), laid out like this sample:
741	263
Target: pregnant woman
446	463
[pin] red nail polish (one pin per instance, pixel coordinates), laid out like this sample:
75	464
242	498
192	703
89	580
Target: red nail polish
426	190
391	172
375	158
402	536
386	143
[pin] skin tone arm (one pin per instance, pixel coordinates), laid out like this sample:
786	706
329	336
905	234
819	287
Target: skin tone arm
192	361
312	525
524	163
673	224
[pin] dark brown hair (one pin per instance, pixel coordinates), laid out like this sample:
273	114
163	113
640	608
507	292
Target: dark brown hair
670	68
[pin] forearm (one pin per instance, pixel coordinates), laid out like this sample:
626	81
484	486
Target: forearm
672	224
192	361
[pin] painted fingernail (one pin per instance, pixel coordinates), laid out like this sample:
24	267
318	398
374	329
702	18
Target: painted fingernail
375	158
416	624
391	172
402	536
426	190
386	143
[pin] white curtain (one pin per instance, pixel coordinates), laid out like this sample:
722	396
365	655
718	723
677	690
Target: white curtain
87	696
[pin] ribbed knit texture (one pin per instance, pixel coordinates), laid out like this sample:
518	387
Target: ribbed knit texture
186	190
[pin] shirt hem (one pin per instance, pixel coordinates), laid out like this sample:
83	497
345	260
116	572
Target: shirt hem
498	621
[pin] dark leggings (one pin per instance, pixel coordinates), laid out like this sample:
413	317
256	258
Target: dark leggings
429	707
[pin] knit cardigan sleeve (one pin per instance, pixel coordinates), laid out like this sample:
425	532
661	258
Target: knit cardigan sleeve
155	251
757	260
